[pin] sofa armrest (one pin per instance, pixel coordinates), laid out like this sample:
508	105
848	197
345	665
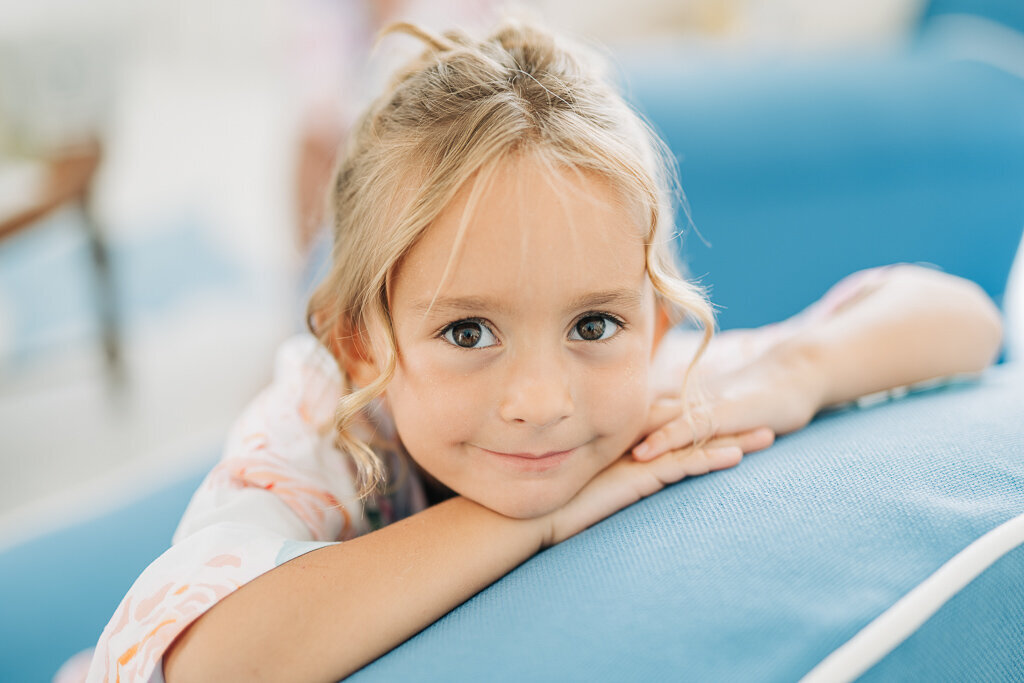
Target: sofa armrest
760	571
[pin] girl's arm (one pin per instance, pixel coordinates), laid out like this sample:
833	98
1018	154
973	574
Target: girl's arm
913	325
325	614
329	612
875	330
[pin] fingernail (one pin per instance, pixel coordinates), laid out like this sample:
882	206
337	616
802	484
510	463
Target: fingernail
641	450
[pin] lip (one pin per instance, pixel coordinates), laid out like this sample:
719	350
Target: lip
531	462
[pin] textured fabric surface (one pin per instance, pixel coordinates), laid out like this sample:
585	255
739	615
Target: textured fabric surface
759	572
752	573
977	636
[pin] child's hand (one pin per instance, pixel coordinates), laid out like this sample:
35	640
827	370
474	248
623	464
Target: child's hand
874	330
626	481
777	390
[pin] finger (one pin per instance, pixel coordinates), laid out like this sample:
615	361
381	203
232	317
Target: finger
749	441
733	416
662	411
678	433
693	462
718	458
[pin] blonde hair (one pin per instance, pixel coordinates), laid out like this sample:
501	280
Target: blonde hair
465	105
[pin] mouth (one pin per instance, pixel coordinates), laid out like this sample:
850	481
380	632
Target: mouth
530	462
531	456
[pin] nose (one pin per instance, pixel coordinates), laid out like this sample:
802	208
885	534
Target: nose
538	390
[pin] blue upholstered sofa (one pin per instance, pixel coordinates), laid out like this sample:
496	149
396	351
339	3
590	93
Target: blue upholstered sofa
796	174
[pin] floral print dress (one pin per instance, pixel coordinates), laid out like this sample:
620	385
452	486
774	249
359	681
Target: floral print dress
281	489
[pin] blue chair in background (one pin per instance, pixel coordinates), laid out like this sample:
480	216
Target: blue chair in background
797	175
1009	13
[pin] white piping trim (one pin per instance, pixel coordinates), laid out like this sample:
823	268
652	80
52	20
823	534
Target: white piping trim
897	623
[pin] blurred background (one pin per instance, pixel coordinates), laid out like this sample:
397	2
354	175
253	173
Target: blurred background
162	169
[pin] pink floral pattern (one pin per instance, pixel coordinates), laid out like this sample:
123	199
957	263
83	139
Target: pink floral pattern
282	488
321	511
156	610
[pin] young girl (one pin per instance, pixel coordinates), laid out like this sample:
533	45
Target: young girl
491	373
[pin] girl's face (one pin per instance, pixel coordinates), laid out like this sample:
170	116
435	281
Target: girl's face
529	372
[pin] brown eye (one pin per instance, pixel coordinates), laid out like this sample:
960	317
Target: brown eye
594	328
469	334
590	328
466	334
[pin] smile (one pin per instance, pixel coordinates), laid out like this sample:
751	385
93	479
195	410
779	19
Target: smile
530	462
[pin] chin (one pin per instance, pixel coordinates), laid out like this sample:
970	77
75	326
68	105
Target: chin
523	505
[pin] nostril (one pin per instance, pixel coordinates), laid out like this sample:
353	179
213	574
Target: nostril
538	398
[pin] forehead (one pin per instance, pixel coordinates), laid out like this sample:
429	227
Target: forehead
526	233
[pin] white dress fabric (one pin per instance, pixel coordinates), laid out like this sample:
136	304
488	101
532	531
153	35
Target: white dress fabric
281	489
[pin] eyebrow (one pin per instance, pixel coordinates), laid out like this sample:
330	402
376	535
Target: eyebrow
619	298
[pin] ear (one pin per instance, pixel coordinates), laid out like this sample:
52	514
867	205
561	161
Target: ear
354	355
662	324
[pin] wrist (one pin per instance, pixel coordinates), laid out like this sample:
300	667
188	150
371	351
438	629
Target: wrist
804	362
546	530
533	532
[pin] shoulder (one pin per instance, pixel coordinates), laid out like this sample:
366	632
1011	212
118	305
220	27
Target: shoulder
306	378
282	468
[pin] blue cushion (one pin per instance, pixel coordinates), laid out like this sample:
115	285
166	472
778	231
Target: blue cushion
754	572
760	571
798	174
60	589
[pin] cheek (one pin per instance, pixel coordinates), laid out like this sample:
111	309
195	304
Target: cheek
620	396
434	402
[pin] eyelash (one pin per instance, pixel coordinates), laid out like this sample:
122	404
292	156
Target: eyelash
440	334
622	325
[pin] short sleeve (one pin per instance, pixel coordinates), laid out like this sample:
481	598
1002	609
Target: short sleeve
281	470
281	489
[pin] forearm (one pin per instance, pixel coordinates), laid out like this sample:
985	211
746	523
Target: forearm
331	611
918	324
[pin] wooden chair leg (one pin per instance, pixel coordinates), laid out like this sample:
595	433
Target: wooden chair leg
106	294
